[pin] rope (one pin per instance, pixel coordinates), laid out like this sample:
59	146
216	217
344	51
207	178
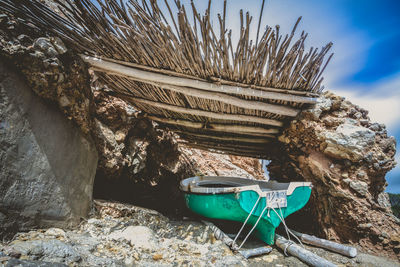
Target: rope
281	218
288	231
252	229
248	217
288	244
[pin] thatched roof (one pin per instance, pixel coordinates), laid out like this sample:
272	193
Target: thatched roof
185	72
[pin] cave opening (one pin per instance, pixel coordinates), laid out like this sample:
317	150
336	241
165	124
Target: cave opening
156	186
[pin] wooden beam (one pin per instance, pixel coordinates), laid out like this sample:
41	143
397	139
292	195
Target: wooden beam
229	138
132	72
250	130
228	99
227	150
323	243
242	146
304	255
214	79
260	148
199	112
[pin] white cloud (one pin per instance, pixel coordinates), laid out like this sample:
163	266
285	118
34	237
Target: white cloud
381	99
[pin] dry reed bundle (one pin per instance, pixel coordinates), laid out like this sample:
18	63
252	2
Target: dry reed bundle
185	73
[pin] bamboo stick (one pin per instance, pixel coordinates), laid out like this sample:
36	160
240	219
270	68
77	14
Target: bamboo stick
260	148
142	35
232	128
214	79
228	99
256	148
227	150
198	112
265	140
107	66
226	135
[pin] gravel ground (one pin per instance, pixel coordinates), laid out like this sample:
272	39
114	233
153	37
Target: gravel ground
124	235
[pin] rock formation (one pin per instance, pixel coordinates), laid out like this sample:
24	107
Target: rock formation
47	166
335	146
48	163
52	72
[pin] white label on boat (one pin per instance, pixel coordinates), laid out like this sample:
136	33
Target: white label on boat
276	199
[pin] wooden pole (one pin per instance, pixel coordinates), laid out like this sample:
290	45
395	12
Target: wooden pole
218	143
247	253
228	99
228	150
229	242
204	113
229	138
118	69
215	80
323	243
301	253
214	126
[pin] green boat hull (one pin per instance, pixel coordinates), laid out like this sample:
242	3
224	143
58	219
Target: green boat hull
237	207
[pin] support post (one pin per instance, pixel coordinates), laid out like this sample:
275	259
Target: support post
301	253
323	243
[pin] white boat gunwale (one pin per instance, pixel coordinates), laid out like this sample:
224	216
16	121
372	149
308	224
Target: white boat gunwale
196	185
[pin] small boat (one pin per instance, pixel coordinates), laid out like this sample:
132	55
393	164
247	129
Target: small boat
263	204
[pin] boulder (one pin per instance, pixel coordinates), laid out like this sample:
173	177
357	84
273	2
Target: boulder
48	250
137	236
348	141
47	165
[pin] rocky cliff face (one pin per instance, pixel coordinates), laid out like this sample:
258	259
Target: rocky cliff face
335	146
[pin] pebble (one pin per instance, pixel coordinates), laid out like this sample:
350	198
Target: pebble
127	241
55	232
138	236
